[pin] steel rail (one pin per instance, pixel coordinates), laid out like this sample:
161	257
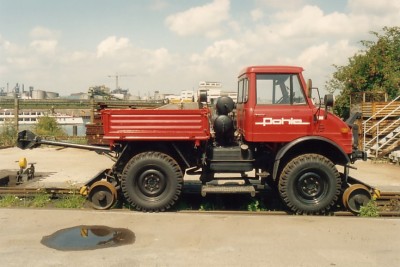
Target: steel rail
385	198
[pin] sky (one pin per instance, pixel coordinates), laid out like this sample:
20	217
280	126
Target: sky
172	45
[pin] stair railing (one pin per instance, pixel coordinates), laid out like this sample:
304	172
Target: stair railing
365	130
386	142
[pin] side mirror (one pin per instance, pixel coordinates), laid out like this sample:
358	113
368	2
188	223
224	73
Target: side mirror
329	100
309	88
203	96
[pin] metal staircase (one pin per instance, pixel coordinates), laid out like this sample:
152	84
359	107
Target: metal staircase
383	136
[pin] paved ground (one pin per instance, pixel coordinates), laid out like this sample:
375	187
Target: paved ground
176	239
171	239
57	167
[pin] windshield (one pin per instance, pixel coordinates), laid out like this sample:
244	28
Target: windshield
279	89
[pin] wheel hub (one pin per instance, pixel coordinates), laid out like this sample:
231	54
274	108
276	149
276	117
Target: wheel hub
101	196
152	182
310	186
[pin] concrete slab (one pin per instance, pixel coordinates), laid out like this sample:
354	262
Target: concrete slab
67	167
176	239
384	176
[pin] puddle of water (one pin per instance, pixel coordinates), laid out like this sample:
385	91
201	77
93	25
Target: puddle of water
88	237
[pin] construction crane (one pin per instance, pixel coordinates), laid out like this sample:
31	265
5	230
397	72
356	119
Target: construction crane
116	76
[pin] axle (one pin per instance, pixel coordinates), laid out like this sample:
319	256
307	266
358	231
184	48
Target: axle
28	140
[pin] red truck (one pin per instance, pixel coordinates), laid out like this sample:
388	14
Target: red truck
274	135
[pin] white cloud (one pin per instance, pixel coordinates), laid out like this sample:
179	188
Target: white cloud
382	7
268	32
367	15
157	59
279	4
158	5
224	51
76	56
202	20
4	44
111	45
310	20
256	14
305	36
44	46
40	32
309	56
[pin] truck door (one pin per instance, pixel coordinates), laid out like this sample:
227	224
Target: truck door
281	112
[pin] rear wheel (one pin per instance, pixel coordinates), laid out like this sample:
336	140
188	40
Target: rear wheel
152	181
310	184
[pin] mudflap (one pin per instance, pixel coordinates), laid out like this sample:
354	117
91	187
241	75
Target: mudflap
84	190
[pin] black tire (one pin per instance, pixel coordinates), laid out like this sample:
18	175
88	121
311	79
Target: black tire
152	181
310	184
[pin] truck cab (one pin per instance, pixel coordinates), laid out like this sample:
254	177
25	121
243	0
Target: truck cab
275	106
272	105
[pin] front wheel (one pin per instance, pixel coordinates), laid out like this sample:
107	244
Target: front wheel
152	181
310	184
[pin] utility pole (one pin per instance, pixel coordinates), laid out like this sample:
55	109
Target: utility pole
16	112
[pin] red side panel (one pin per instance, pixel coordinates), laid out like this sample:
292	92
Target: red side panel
151	124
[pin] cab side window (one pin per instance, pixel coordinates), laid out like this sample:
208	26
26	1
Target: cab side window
243	91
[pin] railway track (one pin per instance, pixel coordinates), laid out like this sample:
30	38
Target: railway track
24	192
388	203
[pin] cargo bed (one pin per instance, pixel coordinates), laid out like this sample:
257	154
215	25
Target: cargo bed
153	124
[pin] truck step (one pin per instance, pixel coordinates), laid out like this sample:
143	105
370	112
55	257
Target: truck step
228	189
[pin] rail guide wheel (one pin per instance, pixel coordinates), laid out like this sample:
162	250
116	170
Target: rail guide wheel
356	196
102	195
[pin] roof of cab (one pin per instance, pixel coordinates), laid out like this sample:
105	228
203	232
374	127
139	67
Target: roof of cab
271	69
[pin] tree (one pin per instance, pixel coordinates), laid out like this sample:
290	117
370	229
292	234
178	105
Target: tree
8	133
374	69
48	126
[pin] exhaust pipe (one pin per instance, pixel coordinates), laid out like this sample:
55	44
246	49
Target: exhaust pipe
28	140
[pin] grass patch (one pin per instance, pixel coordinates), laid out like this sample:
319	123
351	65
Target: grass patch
9	201
72	201
40	200
369	210
43	200
207	206
256	205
